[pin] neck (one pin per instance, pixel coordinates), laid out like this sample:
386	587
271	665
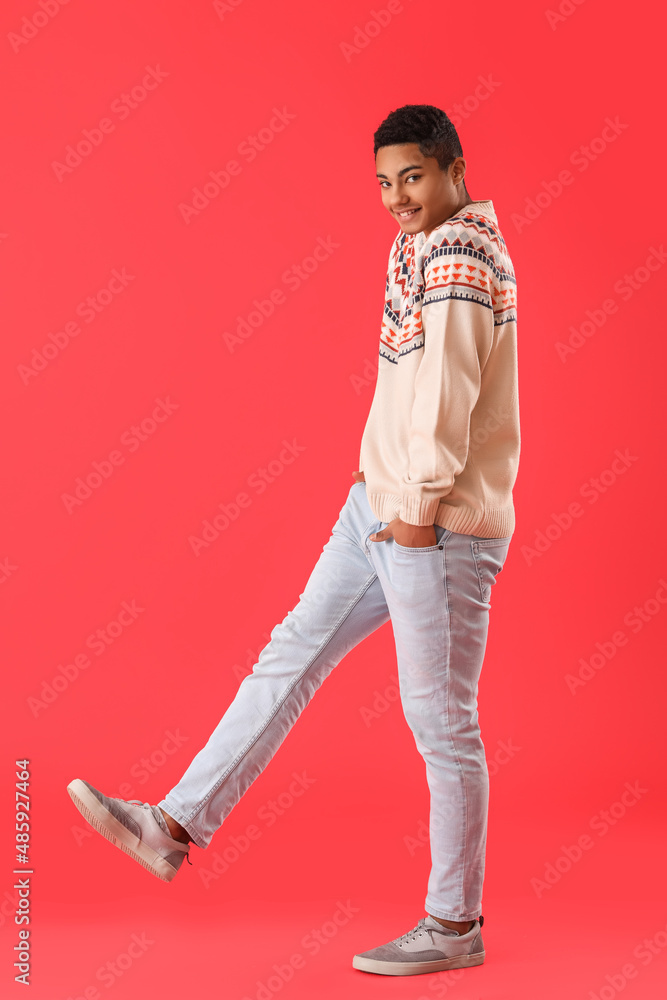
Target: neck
464	200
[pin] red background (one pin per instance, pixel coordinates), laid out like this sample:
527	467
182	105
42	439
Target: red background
303	376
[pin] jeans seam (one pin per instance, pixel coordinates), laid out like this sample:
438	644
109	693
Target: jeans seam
365	531
475	547
451	738
362	541
280	702
176	814
475	559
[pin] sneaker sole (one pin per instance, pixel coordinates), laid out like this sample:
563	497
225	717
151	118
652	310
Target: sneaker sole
415	968
106	823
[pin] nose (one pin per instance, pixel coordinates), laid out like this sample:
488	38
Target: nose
400	202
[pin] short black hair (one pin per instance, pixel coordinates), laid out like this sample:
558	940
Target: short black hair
424	124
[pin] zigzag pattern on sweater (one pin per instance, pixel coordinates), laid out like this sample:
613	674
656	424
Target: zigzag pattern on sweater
401	330
467	259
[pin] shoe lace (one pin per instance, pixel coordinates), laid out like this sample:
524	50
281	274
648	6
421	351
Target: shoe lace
412	934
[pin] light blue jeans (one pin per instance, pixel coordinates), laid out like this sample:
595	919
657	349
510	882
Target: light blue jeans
438	601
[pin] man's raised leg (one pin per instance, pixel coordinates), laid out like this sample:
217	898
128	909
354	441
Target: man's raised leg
341	604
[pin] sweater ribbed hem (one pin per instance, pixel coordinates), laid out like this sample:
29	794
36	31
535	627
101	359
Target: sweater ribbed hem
498	523
416	511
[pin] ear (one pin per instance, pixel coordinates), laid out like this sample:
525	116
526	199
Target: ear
458	170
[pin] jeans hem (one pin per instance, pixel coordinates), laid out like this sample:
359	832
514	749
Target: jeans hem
436	911
180	819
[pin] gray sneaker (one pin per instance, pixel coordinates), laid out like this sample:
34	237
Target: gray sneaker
428	947
137	828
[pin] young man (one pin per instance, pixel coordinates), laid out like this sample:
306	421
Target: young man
420	540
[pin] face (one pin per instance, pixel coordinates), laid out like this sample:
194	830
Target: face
415	191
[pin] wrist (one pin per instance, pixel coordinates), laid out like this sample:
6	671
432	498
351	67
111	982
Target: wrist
414	535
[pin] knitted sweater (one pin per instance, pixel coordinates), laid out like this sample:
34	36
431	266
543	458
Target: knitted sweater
442	439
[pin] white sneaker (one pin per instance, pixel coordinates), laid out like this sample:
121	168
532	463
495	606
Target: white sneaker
137	828
428	947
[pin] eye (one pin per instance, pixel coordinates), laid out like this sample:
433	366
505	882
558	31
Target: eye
413	177
382	183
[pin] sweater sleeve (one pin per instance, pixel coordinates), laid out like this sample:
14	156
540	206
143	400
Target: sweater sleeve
458	326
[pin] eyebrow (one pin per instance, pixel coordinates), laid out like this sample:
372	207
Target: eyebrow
414	166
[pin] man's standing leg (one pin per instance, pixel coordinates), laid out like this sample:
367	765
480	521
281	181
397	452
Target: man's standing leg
438	599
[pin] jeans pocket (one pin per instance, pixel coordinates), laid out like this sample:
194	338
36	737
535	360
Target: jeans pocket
440	536
415	548
489	555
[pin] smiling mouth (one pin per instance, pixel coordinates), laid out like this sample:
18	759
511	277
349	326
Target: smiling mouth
408	213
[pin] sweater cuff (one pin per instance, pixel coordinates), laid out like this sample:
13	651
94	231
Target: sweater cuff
416	511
